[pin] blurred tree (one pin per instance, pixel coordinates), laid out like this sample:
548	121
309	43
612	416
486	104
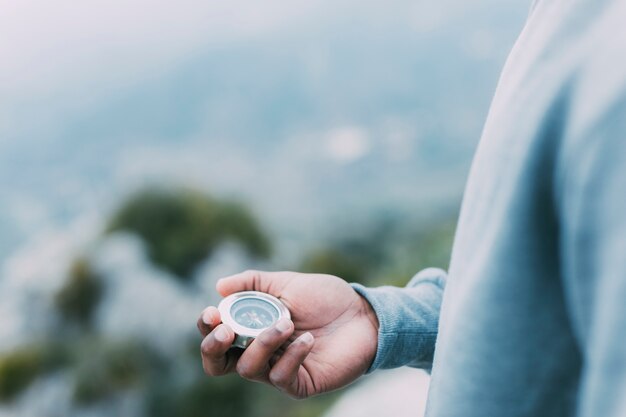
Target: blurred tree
335	261
181	227
354	252
237	223
228	396
81	294
104	368
415	250
384	252
20	368
270	402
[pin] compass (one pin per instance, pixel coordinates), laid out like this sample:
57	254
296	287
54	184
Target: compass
248	313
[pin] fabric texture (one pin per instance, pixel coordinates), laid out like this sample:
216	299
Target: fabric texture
533	316
408	327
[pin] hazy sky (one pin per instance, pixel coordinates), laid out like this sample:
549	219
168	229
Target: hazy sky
58	57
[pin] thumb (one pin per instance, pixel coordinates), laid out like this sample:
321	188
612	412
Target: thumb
268	282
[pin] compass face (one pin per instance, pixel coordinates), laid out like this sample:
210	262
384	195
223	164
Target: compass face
249	313
254	313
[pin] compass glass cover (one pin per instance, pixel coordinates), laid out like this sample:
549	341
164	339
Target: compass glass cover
254	313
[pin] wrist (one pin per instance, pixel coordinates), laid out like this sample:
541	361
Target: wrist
366	311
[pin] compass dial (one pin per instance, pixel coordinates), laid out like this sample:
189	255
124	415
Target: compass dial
254	313
249	313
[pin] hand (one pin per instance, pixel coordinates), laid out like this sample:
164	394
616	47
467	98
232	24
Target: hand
331	341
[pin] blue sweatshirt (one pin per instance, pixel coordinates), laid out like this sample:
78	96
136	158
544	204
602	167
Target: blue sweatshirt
532	321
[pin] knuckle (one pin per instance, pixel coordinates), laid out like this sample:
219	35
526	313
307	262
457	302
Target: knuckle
207	347
265	342
278	378
208	370
255	277
251	272
245	370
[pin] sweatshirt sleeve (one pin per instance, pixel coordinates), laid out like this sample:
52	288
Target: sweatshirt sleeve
408	319
592	206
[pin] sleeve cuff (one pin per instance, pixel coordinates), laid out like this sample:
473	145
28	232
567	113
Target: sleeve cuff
408	319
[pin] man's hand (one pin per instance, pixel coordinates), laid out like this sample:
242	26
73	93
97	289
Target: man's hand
331	341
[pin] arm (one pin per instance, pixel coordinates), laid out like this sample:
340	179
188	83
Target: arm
408	319
592	209
334	336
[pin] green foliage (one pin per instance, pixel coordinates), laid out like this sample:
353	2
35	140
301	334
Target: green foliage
354	254
80	295
419	249
237	223
230	396
269	402
105	368
227	396
336	262
182	227
383	253
17	371
20	368
435	247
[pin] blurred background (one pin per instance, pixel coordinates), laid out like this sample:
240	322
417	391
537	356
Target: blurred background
148	148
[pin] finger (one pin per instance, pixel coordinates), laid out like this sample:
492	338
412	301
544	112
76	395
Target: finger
252	281
254	363
287	370
209	319
269	282
216	359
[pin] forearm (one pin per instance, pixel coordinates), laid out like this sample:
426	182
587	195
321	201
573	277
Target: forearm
408	320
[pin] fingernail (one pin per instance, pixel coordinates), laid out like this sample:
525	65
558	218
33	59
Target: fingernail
307	338
206	318
221	334
283	325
